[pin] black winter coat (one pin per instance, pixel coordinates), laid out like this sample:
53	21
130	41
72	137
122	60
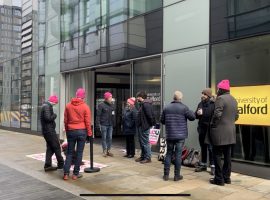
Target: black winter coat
174	117
207	107
47	119
129	121
146	117
105	114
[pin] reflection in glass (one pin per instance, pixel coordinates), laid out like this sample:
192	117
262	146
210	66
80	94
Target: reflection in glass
69	19
41	97
118	42
89	49
138	7
69	54
145	35
147	77
118	11
90	19
245	63
237	18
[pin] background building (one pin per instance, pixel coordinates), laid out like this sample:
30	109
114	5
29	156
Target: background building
10	63
125	46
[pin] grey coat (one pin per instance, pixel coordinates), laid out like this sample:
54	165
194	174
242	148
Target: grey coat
222	130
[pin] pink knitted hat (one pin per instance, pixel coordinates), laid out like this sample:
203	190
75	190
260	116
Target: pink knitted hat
80	93
107	95
224	84
53	99
131	101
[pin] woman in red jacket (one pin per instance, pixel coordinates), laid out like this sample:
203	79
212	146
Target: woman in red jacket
78	125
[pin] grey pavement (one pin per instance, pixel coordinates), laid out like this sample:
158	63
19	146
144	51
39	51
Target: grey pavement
16	185
121	176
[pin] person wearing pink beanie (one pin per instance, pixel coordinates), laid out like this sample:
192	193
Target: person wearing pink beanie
104	122
129	126
47	119
222	133
77	119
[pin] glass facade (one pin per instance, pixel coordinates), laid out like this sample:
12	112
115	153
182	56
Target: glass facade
147	77
245	63
239	18
97	32
10	65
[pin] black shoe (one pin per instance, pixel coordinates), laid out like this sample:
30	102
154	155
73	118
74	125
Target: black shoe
227	181
200	169
125	156
130	156
215	182
51	168
166	177
178	177
60	167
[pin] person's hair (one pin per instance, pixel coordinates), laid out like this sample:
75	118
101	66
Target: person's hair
177	96
142	94
222	91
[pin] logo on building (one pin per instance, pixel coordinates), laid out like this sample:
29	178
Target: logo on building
253	104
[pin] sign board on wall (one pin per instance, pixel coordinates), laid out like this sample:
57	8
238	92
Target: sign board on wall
253	104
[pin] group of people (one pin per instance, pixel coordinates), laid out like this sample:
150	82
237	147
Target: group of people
216	128
77	120
138	117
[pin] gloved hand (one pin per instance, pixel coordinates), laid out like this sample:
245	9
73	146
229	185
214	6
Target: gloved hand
88	138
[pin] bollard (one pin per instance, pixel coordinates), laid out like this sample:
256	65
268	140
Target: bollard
91	169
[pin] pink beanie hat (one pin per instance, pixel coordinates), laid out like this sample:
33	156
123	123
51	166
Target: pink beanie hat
80	93
131	101
107	95
224	84
53	99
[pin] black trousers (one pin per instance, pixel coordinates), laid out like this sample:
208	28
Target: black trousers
222	172
204	147
130	145
53	147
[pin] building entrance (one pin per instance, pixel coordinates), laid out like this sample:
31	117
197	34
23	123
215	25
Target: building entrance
117	81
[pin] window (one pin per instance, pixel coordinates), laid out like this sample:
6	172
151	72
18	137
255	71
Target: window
138	7
238	18
245	63
147	77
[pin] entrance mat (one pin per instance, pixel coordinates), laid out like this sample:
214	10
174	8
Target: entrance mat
41	157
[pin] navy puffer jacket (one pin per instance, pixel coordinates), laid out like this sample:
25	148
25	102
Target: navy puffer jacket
174	117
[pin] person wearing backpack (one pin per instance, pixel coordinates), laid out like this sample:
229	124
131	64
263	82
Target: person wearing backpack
174	117
204	114
145	120
223	134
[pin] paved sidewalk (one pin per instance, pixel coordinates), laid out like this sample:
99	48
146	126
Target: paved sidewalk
16	185
124	175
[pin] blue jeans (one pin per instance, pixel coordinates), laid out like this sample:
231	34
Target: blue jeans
172	145
73	137
106	133
145	145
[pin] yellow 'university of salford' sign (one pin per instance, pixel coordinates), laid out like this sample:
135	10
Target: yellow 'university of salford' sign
253	104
